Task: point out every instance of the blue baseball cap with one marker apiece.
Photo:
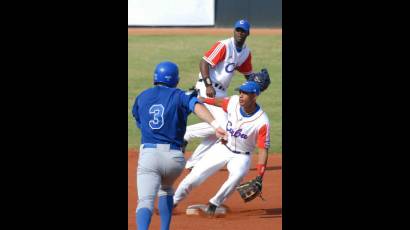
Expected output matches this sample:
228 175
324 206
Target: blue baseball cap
243 24
249 87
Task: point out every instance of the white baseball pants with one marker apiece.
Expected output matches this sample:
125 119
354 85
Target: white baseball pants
214 159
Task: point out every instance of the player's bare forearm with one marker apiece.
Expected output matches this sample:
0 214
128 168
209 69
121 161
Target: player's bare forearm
262 156
204 68
262 160
203 113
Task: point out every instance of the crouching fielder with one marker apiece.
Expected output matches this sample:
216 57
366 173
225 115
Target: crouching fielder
247 128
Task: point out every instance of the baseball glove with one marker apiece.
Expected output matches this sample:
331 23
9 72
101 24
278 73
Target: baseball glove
192 91
262 78
251 189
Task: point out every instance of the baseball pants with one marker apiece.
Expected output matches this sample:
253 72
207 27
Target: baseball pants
157 171
214 159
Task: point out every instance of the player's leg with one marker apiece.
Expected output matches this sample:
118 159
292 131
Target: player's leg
205 145
238 167
171 167
148 183
199 130
208 140
208 165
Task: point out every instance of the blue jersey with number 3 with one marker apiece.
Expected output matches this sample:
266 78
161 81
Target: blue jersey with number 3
161 113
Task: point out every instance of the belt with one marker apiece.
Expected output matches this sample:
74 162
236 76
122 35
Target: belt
154 146
217 85
237 152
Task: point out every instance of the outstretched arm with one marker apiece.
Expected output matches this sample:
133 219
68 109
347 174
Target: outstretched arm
213 101
203 113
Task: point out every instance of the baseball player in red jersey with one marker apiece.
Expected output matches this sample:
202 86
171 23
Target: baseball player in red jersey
217 67
247 127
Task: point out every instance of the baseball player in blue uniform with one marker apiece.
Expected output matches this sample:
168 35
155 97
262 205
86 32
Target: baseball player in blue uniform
161 113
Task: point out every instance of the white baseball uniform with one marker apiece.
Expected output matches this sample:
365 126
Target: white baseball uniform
224 60
245 132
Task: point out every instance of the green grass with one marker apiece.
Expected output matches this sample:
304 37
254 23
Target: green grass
145 52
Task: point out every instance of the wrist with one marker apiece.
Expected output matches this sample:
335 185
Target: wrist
261 169
207 81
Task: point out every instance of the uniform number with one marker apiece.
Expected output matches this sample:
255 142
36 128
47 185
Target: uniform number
157 114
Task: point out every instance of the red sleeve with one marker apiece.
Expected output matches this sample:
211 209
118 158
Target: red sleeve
216 54
263 137
246 67
225 103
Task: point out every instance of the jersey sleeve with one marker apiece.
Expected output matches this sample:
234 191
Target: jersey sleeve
216 54
135 113
225 103
246 67
188 101
264 137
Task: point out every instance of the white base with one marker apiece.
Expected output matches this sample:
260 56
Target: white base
194 210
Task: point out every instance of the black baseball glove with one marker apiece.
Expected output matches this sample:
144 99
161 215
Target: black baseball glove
251 189
262 78
192 91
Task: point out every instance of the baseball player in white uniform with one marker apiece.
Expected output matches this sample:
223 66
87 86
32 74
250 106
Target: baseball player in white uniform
247 127
217 67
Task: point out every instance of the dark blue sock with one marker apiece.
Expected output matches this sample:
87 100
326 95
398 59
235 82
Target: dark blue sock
165 205
143 218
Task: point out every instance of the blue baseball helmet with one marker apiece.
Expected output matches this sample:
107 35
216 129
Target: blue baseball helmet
167 73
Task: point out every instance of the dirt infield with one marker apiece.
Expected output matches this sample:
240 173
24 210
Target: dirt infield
197 31
257 214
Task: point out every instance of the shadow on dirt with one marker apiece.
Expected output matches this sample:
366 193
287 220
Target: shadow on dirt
264 213
272 213
267 168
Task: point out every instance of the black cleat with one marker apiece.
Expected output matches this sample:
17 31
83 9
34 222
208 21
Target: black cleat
209 211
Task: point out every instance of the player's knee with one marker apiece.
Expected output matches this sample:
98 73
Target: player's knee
166 192
197 181
146 202
236 177
187 186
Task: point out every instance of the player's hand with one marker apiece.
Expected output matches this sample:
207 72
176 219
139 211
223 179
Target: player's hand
201 99
210 91
224 140
221 133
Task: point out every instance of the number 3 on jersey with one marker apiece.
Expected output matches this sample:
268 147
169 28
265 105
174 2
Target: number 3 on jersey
157 114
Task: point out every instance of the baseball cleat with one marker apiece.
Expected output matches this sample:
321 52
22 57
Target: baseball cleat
208 211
